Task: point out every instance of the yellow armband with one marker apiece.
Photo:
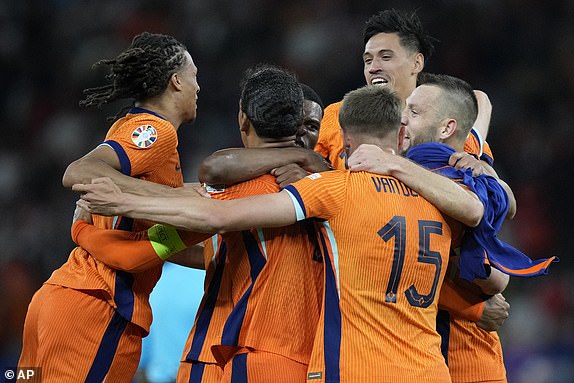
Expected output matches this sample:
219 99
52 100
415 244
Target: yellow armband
165 240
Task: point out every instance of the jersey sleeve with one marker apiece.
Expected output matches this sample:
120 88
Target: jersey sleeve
477 146
319 195
133 251
460 303
143 144
330 143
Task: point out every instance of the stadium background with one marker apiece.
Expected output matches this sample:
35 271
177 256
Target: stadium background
521 52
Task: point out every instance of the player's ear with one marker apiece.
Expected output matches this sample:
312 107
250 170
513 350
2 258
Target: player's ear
175 81
418 63
448 128
244 123
347 141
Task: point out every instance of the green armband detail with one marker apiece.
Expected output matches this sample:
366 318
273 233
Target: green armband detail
165 241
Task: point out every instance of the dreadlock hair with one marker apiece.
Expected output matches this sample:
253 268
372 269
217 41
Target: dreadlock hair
408 26
272 99
371 110
140 72
457 100
311 95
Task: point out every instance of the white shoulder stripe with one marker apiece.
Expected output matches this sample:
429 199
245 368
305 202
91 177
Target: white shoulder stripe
297 205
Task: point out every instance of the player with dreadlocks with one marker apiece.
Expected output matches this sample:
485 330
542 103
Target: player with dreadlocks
87 321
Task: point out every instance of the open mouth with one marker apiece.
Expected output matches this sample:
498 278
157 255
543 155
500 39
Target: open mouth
379 81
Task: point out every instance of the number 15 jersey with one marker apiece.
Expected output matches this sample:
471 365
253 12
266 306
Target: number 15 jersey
386 251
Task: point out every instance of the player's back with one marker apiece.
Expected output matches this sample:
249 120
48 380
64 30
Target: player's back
388 255
271 283
278 310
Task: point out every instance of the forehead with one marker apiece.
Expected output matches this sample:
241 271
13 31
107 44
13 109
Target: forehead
423 94
384 41
188 61
312 110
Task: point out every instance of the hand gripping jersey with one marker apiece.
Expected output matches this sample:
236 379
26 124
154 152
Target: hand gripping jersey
472 354
386 251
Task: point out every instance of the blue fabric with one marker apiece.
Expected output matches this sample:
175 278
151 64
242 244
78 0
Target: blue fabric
480 246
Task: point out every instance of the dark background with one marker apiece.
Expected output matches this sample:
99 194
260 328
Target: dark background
521 52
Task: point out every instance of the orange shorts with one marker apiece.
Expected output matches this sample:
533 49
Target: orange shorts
199 373
76 336
263 367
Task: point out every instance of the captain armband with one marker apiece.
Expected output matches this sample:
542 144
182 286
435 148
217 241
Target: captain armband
165 240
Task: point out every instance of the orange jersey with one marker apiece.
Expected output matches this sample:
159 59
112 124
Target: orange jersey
386 250
473 354
215 307
330 142
274 286
147 148
476 145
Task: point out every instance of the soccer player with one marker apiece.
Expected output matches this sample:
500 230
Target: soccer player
87 321
263 296
230 166
396 50
367 246
434 114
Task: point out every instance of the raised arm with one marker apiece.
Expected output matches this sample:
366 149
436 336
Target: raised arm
190 213
482 122
230 166
449 197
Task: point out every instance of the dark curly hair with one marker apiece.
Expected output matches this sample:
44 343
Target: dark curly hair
272 99
408 26
140 72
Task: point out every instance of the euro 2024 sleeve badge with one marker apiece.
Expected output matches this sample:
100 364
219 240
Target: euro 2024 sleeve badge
144 136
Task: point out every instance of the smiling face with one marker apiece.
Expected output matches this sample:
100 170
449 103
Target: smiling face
388 63
421 121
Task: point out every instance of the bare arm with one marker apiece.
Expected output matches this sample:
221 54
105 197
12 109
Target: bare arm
451 199
230 166
104 162
463 160
482 122
190 213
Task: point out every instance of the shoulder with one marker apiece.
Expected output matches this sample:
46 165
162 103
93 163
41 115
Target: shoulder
264 184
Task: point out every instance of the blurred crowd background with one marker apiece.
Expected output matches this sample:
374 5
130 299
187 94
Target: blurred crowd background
521 52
